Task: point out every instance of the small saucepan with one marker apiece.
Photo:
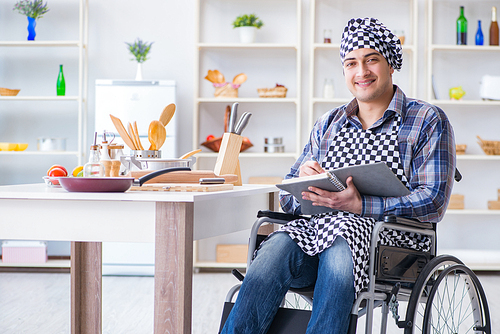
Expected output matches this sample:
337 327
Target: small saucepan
111 184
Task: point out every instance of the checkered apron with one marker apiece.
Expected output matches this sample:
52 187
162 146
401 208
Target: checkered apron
355 147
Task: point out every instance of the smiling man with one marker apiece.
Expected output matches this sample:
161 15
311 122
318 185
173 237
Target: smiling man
330 251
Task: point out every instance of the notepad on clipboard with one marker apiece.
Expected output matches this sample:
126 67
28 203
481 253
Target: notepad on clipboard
375 179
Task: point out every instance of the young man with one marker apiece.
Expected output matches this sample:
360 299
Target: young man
330 251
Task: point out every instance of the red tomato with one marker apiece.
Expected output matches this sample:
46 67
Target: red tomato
56 171
60 167
210 137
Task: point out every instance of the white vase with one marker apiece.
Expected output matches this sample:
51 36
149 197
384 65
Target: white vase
138 75
247 34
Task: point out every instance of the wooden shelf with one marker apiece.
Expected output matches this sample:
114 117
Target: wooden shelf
39 153
251 155
245 99
478 157
473 212
246 46
465 102
40 98
450 47
48 264
209 264
71 43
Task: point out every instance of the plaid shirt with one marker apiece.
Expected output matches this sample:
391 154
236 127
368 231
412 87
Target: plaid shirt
427 153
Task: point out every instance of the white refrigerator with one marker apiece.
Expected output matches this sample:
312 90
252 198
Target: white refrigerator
142 102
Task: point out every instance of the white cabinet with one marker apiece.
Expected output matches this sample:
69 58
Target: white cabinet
33 66
274 58
330 17
469 234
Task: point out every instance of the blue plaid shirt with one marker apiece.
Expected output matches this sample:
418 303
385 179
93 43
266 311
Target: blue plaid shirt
427 153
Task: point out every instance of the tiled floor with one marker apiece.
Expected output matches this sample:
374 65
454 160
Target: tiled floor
39 303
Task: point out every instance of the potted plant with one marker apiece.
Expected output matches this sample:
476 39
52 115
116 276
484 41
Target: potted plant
32 10
139 50
247 26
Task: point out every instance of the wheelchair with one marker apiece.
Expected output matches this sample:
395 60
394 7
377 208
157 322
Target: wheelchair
441 294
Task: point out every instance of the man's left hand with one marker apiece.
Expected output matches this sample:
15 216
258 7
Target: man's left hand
346 200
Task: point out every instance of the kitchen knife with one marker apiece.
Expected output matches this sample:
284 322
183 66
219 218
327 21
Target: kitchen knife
232 118
243 123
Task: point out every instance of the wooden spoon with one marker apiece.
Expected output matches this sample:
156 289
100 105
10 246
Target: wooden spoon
219 76
239 79
212 76
137 138
167 114
156 135
193 152
122 132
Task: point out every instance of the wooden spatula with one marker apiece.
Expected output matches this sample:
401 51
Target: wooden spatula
137 138
156 135
131 134
123 133
167 114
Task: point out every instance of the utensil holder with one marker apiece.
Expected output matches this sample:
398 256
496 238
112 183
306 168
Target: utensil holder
227 160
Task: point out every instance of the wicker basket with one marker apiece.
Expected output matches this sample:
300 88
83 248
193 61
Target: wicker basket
460 148
9 92
272 92
490 147
226 91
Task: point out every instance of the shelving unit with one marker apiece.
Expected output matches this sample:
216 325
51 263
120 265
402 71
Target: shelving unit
219 49
467 233
34 96
277 52
81 98
318 49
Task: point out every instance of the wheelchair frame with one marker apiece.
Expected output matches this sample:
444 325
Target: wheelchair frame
382 294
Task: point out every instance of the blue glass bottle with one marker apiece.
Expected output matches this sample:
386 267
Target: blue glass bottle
479 34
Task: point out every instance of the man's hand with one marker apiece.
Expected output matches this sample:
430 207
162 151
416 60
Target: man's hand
310 168
346 200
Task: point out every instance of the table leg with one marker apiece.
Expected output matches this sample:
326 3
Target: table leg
173 268
86 287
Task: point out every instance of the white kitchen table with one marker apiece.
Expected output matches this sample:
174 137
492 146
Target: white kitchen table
170 219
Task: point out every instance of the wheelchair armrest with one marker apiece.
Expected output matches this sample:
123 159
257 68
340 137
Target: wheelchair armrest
408 222
279 215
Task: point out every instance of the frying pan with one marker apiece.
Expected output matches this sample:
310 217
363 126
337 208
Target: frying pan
111 184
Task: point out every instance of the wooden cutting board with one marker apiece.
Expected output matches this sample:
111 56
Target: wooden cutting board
183 187
193 176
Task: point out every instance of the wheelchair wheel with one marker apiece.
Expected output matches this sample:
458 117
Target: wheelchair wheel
417 303
457 303
436 288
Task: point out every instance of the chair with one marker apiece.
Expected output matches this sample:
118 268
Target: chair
441 293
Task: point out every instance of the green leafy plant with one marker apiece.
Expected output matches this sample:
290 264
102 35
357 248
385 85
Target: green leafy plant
139 50
248 21
34 9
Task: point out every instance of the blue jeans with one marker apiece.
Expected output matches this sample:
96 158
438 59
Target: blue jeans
281 264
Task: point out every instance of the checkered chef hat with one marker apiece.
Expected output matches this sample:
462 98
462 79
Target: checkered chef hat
371 33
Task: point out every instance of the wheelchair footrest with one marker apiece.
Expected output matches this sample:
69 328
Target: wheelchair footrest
395 264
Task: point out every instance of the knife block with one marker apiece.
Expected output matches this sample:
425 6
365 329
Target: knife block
227 160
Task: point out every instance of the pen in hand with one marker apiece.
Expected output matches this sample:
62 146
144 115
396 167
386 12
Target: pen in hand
321 170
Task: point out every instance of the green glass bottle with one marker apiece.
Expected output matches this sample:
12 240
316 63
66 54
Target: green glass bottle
61 84
461 28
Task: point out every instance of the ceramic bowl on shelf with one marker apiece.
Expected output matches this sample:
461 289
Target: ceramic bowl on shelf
8 146
9 92
13 146
21 146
